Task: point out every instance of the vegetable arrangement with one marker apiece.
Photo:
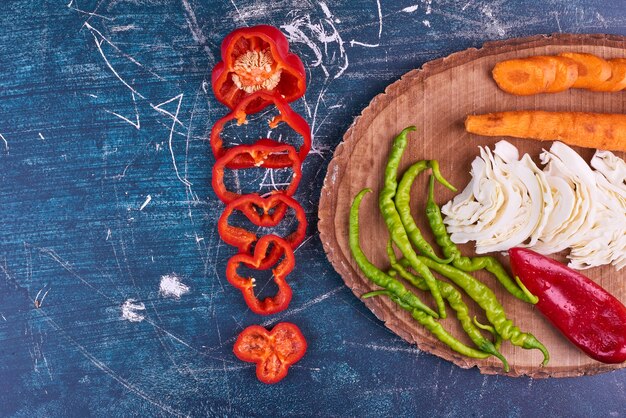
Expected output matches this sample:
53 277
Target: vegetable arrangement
257 70
553 74
604 131
511 202
422 267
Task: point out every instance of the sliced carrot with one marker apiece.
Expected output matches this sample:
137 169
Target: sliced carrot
592 70
566 74
604 131
617 81
524 77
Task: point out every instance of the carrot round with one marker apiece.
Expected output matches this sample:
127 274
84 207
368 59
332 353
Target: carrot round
604 131
524 77
592 70
617 81
566 74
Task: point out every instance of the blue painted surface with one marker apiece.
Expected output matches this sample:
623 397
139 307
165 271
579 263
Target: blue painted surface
85 140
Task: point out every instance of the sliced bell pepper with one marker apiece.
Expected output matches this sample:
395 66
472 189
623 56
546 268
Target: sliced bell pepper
255 155
273 351
263 251
272 209
589 316
257 58
286 114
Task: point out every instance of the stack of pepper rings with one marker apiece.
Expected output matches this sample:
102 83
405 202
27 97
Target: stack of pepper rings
257 70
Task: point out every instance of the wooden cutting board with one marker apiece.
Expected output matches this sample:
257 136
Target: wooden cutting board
436 99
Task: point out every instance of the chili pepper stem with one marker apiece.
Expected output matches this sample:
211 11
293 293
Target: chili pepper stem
531 298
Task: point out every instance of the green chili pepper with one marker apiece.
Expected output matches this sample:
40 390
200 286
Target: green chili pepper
402 201
391 285
374 274
487 300
432 325
394 223
450 250
455 300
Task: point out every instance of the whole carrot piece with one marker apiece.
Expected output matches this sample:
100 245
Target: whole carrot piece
604 131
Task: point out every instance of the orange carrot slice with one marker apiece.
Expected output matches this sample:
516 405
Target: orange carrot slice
592 70
617 81
566 74
524 77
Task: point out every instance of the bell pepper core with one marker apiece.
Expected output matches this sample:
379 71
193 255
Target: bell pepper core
249 205
286 114
273 351
258 261
257 155
589 316
253 59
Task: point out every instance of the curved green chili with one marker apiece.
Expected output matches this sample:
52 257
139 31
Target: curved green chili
394 223
487 300
391 285
455 300
402 201
450 250
432 325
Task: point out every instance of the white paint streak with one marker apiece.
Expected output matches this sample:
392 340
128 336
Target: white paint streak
108 64
410 9
558 23
131 310
305 306
90 14
171 286
385 348
145 203
122 28
365 44
137 123
496 25
6 143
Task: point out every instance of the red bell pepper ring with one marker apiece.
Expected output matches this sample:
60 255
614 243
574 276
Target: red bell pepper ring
273 210
257 58
259 261
273 352
256 155
286 114
589 316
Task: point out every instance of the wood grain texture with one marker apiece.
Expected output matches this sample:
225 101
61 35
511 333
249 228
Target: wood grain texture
436 99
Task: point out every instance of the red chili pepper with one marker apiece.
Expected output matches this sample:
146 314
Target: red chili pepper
273 352
260 260
257 58
589 316
255 155
272 209
286 114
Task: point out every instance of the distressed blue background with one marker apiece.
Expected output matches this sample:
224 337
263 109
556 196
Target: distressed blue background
106 102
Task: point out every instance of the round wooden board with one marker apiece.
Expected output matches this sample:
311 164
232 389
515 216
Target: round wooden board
436 99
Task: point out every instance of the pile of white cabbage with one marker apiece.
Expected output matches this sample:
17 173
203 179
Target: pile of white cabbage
511 202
